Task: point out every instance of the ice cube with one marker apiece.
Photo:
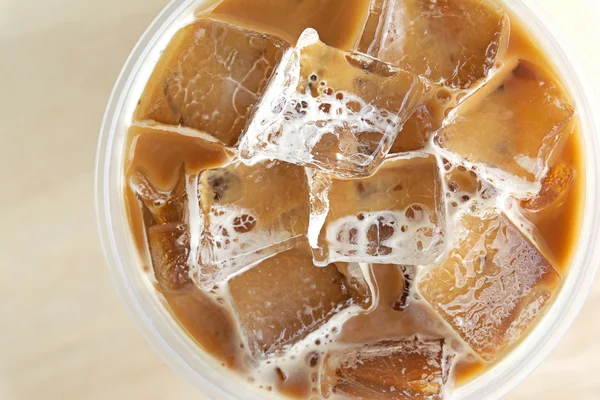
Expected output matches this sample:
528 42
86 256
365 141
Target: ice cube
338 22
165 207
492 286
503 133
333 110
555 186
282 299
169 251
395 216
454 42
210 77
399 369
249 213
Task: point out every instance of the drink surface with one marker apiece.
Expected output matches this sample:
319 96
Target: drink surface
355 199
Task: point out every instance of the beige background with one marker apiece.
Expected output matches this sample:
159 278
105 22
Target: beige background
63 332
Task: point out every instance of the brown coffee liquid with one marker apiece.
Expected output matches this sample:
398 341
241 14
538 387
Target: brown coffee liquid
162 159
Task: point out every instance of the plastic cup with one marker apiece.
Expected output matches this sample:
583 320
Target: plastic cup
198 368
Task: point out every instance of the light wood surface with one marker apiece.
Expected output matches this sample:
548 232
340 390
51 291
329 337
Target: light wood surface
63 331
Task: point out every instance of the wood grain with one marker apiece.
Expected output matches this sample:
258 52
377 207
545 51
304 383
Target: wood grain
63 332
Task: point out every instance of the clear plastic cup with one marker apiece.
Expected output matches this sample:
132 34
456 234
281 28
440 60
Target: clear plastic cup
198 368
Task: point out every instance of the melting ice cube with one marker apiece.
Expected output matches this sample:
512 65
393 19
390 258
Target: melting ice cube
282 299
210 77
399 369
395 216
336 111
249 213
503 133
455 42
492 286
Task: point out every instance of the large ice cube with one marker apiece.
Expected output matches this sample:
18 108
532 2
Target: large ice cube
407 368
455 42
512 133
169 251
394 216
249 213
209 78
282 299
338 22
492 286
336 111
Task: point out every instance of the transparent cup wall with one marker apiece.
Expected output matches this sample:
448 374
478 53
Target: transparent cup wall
184 356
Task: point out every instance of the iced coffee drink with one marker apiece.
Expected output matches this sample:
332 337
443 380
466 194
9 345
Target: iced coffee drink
354 199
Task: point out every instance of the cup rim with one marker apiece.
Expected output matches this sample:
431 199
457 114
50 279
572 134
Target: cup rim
199 369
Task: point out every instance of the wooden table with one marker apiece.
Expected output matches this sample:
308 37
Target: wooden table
63 333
